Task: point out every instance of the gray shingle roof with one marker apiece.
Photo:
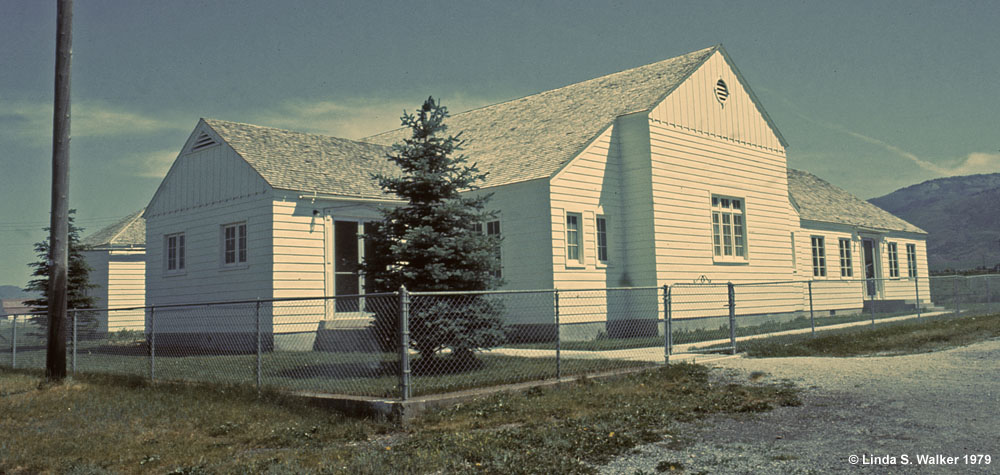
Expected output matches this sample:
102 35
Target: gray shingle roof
130 231
534 136
818 200
307 162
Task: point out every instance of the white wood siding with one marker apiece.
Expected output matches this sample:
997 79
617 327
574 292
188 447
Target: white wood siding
206 177
524 213
693 106
126 289
204 278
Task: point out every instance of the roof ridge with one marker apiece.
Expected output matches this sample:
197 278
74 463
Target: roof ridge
707 51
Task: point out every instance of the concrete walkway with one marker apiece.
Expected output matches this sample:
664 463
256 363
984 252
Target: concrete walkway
684 352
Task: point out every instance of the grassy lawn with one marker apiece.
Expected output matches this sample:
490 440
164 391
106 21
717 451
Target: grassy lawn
98 424
357 373
909 336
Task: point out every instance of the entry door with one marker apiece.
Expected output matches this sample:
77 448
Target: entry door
346 265
871 268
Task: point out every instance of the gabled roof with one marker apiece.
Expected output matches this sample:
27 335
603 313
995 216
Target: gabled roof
818 200
307 162
129 232
535 136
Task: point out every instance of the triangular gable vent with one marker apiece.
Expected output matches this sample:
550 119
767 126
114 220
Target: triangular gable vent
202 142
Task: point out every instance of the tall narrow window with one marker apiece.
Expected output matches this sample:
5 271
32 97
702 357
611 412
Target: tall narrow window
573 249
846 263
493 229
911 259
728 229
819 256
893 260
174 244
795 265
602 239
234 244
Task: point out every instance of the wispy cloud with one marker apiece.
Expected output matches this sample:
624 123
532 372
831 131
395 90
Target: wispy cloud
355 118
33 120
153 164
975 162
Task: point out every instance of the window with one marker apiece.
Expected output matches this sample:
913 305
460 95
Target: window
795 266
728 229
602 239
174 244
846 264
893 260
574 251
234 244
911 259
819 256
493 229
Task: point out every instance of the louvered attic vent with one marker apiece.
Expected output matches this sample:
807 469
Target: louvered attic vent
721 92
202 142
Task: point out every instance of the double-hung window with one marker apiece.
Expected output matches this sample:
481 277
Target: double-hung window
911 259
893 260
729 238
602 239
574 243
846 263
819 256
174 253
234 244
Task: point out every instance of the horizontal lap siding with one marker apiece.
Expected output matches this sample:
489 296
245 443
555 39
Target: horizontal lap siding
525 253
205 279
299 239
688 168
126 289
831 292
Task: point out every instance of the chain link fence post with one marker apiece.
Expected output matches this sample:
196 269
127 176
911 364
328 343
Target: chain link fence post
916 291
404 341
812 316
555 300
989 295
872 303
667 340
152 343
13 343
732 316
73 359
259 356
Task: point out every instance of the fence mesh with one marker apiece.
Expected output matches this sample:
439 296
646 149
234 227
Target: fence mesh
359 345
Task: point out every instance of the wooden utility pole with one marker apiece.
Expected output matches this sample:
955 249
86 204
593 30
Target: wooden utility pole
55 360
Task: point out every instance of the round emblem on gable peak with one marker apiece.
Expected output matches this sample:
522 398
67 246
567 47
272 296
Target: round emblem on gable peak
721 92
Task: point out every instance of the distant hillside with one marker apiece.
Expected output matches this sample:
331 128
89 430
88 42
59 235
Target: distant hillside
961 215
14 292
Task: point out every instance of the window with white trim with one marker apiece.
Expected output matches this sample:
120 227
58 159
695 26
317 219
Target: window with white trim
819 256
173 247
846 263
911 259
728 229
234 244
574 243
893 260
602 239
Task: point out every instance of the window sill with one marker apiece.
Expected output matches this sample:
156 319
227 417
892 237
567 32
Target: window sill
731 262
230 267
175 273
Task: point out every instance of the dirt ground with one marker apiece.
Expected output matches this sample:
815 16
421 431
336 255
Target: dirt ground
878 409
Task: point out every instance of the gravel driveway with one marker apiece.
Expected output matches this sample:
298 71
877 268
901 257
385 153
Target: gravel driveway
945 403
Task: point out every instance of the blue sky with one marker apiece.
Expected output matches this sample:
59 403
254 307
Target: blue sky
871 96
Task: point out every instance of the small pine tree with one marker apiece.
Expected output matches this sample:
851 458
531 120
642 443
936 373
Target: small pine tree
77 281
434 243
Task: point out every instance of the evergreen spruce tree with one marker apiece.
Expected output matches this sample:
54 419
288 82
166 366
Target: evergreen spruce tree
78 277
435 243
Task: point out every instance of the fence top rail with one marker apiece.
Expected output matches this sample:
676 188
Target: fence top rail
526 291
231 302
977 276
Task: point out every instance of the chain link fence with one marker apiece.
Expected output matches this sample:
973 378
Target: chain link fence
398 345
